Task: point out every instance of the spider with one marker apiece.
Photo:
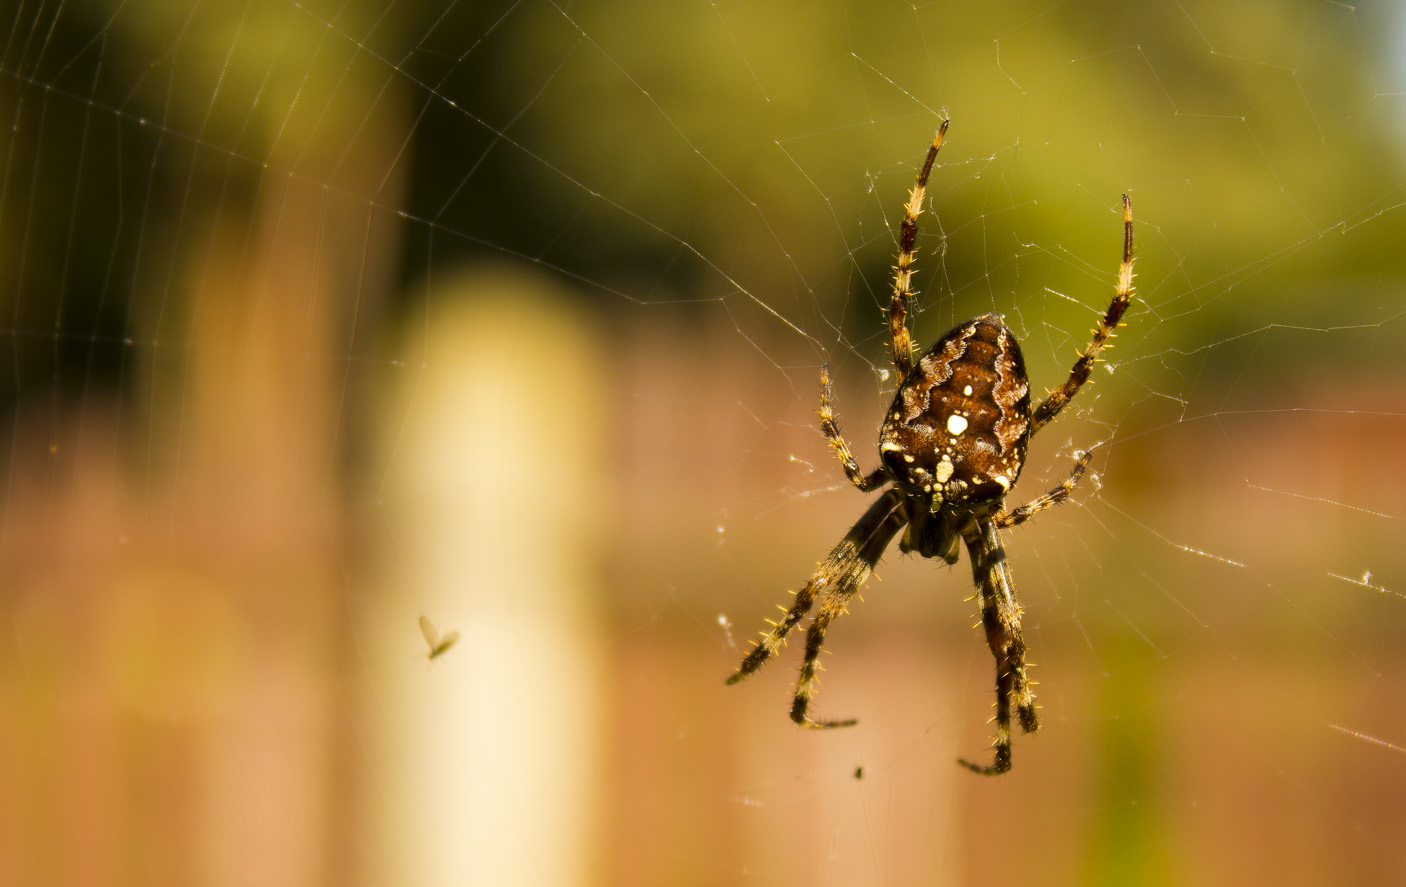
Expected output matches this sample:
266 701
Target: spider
952 446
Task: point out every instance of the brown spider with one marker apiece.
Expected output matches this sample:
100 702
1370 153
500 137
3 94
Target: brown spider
953 444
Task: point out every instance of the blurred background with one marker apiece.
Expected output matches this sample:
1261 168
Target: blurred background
320 317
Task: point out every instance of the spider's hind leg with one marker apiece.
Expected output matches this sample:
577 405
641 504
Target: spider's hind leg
1000 615
845 570
840 575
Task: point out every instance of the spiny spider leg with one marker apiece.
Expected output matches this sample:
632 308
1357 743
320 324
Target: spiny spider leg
867 483
1053 497
840 575
1000 615
1107 325
849 580
903 270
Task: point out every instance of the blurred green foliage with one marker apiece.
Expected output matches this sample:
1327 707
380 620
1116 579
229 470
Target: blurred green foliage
753 155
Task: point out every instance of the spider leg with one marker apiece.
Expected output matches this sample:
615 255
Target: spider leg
1053 497
1102 333
849 575
840 575
865 482
1000 615
903 269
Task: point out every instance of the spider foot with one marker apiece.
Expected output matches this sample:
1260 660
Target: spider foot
805 721
748 666
742 672
1001 764
759 655
800 713
1029 721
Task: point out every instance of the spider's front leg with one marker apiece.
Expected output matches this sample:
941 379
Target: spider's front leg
901 341
840 575
1107 325
1000 615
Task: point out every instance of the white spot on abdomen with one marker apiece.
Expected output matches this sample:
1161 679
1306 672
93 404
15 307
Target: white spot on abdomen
956 425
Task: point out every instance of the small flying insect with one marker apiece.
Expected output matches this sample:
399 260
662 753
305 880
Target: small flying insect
438 645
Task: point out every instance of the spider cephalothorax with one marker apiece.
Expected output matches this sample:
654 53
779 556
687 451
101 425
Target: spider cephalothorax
952 446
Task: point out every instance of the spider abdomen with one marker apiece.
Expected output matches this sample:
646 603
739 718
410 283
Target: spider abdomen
959 424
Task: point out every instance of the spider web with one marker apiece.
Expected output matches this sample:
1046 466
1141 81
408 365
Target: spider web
328 316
